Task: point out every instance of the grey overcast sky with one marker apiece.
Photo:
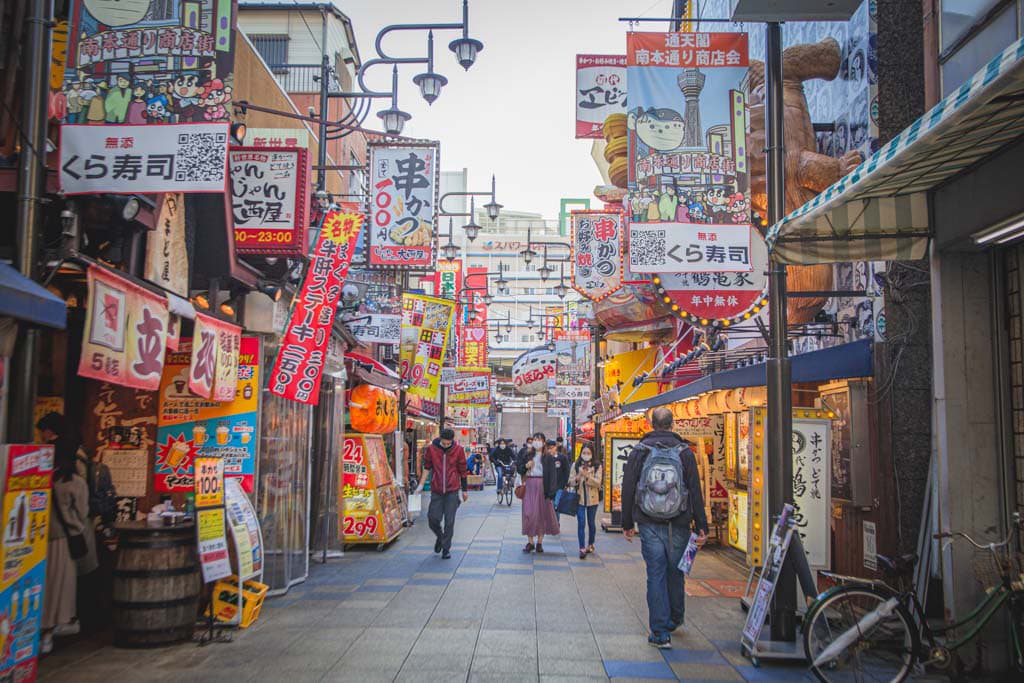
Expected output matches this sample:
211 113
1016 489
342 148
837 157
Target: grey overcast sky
513 112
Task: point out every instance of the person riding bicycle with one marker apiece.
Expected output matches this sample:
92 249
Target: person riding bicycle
501 457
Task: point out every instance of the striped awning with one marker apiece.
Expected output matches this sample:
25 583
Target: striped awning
879 212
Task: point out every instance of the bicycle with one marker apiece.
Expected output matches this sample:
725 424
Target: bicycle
869 631
507 485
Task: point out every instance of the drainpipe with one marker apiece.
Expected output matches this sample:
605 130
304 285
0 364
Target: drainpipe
31 187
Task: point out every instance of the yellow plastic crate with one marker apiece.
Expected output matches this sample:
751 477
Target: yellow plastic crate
225 600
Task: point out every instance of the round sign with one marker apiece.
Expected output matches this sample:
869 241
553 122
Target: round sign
719 298
530 372
118 12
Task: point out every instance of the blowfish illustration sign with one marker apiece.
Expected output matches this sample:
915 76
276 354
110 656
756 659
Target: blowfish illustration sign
689 173
403 193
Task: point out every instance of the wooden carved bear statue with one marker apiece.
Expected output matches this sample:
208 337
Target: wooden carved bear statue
807 172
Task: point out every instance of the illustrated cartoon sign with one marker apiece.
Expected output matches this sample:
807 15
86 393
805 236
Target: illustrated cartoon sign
269 200
403 195
189 426
596 253
149 61
27 472
600 92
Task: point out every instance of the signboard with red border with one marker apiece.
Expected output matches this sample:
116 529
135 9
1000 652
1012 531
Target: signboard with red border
269 199
596 253
403 198
600 92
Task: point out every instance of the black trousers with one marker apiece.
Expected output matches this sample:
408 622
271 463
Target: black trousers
443 505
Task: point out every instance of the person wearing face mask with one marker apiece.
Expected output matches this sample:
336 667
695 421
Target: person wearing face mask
540 476
586 477
447 462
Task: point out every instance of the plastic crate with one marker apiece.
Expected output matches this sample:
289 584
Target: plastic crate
225 600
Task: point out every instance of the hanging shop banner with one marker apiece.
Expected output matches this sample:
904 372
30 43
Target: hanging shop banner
189 426
180 157
688 157
299 366
141 61
166 257
426 322
473 352
689 248
125 332
213 545
731 297
812 443
403 196
269 200
214 362
470 387
617 447
245 529
476 287
600 92
596 253
448 285
375 328
27 476
532 370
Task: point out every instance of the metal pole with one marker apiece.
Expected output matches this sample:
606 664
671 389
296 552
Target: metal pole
325 73
440 417
31 186
572 431
678 7
780 409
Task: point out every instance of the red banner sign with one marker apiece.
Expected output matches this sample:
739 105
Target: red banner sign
299 366
687 50
125 332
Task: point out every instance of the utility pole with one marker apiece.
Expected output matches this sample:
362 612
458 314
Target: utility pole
779 372
31 187
325 85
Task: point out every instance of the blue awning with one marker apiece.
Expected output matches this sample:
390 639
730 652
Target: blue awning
29 301
839 362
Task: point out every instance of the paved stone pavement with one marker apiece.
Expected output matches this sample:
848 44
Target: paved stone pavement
489 613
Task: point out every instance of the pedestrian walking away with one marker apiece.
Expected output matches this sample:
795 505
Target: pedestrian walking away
446 461
661 494
540 476
586 476
502 458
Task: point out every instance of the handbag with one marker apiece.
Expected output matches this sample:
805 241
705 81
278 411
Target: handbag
76 542
520 491
568 503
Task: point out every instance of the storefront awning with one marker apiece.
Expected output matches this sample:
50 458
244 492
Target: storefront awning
26 300
839 362
370 371
880 210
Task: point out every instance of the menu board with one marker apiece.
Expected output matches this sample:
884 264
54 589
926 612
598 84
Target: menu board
129 469
738 519
371 512
743 448
245 530
213 545
27 473
617 447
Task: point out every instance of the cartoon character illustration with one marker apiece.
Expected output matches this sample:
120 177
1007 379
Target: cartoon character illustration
739 208
696 210
97 111
667 203
137 107
157 109
661 130
187 94
717 203
117 100
215 95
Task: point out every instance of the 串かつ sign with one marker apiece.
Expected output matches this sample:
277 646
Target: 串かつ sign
403 194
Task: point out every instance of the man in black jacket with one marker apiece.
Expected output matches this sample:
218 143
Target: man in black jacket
663 542
502 458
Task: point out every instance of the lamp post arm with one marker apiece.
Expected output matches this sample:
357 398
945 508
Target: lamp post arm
440 202
409 27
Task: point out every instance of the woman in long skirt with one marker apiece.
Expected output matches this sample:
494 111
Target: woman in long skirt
537 467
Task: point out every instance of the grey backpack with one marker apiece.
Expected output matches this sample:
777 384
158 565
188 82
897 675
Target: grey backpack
661 492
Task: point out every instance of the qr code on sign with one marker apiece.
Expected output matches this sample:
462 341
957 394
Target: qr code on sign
201 157
646 249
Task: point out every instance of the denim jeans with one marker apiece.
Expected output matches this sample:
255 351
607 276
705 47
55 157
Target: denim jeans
662 547
499 474
586 516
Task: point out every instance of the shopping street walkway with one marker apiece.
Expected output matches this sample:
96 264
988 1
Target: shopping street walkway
489 613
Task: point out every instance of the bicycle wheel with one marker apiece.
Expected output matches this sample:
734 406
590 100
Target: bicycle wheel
881 648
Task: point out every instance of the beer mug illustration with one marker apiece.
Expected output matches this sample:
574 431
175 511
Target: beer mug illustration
178 452
199 434
223 434
246 436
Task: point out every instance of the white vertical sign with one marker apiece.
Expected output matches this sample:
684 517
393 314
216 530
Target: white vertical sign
812 442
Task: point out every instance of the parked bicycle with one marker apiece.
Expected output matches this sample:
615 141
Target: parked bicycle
872 632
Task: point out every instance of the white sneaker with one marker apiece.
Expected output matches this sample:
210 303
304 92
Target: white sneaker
46 644
71 629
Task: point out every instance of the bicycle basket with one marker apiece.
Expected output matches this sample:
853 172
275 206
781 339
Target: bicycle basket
991 567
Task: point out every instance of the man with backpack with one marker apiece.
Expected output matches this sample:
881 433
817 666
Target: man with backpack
661 494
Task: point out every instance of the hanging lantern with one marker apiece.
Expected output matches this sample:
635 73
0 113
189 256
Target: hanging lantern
373 410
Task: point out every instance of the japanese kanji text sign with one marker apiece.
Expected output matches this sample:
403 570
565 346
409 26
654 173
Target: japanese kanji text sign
596 253
719 295
185 157
689 248
470 387
166 255
214 364
426 322
125 332
299 366
473 352
812 457
403 195
269 200
375 328
600 92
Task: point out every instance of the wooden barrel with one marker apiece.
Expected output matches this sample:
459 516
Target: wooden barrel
156 585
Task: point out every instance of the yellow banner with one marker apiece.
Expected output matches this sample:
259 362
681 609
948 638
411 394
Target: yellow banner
426 324
621 368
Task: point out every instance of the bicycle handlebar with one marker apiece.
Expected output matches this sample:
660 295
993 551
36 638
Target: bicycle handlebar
982 546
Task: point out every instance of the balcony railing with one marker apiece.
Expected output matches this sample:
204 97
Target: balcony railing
301 78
